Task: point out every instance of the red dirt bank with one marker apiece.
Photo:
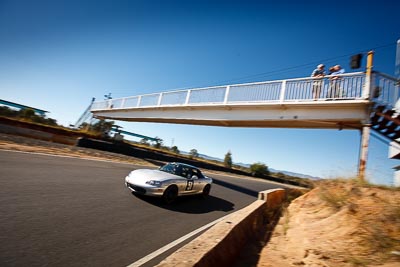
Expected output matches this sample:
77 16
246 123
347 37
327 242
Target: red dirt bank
339 223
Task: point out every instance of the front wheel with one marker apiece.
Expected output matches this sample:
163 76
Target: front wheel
170 194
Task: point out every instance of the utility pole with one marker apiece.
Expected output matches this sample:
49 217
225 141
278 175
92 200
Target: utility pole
366 129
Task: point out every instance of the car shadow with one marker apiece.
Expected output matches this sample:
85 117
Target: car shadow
191 204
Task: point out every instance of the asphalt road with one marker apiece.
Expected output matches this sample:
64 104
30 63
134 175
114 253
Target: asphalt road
58 211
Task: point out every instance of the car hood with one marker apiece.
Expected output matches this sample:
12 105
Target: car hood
143 175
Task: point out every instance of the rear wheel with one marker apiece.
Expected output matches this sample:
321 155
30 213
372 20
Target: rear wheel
170 194
206 190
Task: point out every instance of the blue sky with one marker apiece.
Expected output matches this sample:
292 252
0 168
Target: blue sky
57 55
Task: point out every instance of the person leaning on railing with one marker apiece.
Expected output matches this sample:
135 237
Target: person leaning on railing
334 88
319 72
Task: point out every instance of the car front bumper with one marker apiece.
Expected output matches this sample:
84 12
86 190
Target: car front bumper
145 190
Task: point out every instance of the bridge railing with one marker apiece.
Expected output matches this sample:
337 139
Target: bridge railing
344 87
386 89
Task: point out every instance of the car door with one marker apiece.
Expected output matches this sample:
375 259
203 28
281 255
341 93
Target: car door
189 183
198 181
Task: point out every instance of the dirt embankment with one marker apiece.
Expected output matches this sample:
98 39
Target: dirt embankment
20 143
339 223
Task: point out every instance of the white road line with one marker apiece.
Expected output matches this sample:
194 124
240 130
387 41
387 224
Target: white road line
173 244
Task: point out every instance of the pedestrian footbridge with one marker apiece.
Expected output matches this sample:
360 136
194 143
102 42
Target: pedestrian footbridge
345 102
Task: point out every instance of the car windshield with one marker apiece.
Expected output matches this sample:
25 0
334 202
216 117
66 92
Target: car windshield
170 168
181 170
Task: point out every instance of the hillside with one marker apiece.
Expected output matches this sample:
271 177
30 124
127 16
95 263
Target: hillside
339 223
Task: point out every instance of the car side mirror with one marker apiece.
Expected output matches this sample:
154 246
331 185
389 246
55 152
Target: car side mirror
194 177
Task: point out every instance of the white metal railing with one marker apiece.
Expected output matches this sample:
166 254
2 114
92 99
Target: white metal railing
345 87
386 89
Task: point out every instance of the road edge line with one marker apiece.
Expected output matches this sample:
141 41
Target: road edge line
173 244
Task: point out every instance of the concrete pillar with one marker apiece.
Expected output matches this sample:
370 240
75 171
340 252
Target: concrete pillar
366 130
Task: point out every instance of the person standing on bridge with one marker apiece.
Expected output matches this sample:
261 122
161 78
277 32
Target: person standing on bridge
318 73
335 91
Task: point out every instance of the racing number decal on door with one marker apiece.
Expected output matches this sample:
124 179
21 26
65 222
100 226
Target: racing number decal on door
189 185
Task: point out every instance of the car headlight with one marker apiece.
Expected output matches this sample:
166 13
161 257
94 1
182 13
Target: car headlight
154 183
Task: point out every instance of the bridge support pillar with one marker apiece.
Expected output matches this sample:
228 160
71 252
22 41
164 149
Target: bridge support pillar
365 133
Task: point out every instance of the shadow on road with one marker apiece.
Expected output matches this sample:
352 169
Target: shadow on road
191 204
238 188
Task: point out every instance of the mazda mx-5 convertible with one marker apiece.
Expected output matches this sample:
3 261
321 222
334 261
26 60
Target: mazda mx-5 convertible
169 181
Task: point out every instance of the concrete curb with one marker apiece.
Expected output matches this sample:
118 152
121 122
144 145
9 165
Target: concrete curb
221 244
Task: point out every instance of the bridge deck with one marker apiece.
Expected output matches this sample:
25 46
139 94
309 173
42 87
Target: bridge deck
319 114
343 103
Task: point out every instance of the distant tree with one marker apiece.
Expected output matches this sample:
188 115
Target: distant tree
259 169
52 122
144 141
38 119
102 127
158 143
193 153
228 160
8 112
175 150
27 113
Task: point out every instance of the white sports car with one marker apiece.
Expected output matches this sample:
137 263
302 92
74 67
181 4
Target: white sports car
169 181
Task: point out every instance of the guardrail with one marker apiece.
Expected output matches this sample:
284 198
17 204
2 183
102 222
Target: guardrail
386 89
344 86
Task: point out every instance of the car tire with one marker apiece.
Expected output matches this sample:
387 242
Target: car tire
206 191
170 194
